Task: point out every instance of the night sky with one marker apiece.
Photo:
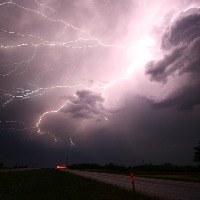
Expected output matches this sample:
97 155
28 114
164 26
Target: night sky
99 81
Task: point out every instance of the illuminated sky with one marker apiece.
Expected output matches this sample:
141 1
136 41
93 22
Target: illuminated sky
99 81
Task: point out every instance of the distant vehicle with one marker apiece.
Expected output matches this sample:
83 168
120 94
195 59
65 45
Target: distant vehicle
61 167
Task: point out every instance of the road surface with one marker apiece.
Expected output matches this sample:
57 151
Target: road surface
163 189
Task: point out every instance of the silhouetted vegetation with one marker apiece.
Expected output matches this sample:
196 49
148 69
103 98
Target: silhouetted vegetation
20 166
166 171
166 168
197 154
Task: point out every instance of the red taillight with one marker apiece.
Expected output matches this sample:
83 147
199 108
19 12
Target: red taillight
61 167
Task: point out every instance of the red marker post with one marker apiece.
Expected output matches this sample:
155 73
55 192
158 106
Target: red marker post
133 180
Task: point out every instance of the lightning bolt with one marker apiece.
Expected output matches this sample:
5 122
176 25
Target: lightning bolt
71 142
46 6
19 68
55 43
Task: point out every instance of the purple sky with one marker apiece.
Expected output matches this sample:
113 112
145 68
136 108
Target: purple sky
99 81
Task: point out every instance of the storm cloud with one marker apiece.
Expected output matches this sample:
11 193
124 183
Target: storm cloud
75 71
181 49
85 104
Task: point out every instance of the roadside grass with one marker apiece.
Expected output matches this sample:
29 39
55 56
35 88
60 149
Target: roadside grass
186 177
54 184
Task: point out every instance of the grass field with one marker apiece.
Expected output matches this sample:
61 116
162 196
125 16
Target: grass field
51 184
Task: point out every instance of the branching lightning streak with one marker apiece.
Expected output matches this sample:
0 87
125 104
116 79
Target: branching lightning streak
20 64
45 6
23 94
43 15
69 44
61 21
41 118
71 142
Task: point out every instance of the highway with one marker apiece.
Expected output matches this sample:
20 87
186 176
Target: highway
163 189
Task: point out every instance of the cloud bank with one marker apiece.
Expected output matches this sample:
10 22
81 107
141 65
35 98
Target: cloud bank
75 71
180 45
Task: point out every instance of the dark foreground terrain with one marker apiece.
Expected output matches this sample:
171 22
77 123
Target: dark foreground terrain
54 184
163 189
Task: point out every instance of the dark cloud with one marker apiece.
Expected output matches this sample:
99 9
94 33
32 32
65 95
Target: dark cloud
85 104
141 132
160 70
181 49
117 126
184 99
184 29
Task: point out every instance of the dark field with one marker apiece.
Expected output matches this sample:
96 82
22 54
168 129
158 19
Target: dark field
186 178
54 184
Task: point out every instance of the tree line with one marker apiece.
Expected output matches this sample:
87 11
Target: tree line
145 168
139 169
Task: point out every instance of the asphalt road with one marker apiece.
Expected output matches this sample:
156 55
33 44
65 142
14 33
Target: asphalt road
163 189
